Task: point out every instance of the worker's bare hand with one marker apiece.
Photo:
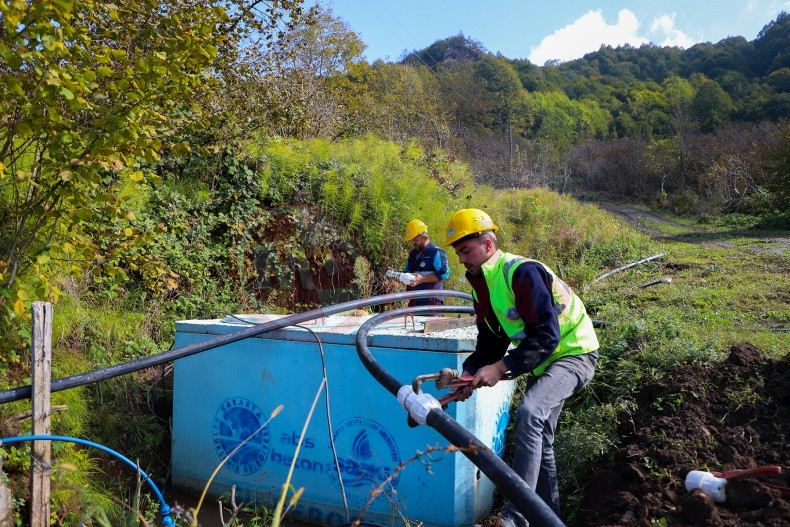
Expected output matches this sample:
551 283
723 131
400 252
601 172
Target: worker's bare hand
418 279
465 392
489 375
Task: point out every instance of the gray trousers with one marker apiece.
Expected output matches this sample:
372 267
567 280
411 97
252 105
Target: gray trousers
536 421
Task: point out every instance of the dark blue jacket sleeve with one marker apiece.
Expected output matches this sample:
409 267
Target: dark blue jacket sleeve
489 348
535 303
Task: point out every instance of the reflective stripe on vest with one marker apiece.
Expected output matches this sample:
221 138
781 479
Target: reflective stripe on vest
577 335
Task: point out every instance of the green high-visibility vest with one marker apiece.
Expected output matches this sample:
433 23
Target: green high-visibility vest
577 335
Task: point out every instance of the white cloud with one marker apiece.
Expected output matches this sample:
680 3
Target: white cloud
665 33
589 32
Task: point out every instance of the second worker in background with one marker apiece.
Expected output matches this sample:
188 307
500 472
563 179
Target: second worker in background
427 262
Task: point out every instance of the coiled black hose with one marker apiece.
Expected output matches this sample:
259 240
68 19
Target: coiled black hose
534 509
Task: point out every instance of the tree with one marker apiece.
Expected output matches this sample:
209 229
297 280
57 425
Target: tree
771 45
647 106
679 94
465 97
711 106
778 162
452 49
314 59
531 76
404 103
91 92
503 86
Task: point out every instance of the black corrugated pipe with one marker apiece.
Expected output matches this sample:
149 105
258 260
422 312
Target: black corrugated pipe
64 383
508 482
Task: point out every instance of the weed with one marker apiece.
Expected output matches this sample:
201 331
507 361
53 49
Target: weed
673 402
744 394
77 495
250 514
737 220
775 220
424 458
585 436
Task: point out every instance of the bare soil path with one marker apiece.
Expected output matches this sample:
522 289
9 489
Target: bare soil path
655 225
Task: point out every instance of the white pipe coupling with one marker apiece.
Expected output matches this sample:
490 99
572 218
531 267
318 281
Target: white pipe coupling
417 404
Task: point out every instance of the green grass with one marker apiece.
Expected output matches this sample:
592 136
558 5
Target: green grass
719 296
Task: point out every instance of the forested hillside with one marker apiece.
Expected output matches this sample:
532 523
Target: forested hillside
163 160
660 124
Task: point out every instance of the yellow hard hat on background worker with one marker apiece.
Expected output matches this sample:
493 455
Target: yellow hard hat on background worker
414 228
468 221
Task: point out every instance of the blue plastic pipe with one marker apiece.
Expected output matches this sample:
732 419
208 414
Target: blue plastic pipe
164 508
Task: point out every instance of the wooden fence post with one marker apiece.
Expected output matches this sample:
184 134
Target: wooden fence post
41 453
6 506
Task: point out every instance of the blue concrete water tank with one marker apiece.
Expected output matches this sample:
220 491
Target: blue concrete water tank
224 395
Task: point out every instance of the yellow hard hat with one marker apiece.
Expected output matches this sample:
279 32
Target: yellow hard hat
414 228
468 221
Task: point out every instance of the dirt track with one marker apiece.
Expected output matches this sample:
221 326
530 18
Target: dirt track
641 220
636 217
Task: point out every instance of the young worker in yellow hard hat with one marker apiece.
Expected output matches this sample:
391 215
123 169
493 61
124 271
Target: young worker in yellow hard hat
521 301
427 263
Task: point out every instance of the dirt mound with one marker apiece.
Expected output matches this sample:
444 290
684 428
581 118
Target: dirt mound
712 417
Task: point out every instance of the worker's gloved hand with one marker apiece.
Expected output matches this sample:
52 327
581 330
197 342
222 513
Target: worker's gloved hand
446 376
406 278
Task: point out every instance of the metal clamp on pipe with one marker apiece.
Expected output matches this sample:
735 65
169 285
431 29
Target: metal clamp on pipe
417 404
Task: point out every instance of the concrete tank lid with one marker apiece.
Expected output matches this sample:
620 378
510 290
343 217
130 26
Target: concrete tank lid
402 332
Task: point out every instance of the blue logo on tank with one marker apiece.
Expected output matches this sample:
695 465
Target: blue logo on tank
367 456
236 430
500 435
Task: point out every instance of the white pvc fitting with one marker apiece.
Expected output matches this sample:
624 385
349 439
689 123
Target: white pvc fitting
707 483
419 404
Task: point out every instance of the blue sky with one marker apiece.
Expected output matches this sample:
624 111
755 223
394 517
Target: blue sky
541 30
